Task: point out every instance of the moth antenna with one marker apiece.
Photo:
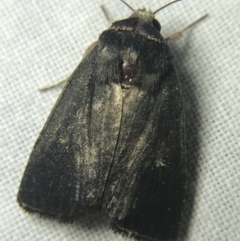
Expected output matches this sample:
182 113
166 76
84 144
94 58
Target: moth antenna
127 5
165 6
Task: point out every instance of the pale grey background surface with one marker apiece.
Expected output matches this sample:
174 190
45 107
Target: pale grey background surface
41 42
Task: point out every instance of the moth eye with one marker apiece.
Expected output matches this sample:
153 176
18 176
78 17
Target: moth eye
129 71
156 24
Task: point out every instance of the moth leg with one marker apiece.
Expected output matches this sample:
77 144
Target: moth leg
55 85
106 14
179 34
88 50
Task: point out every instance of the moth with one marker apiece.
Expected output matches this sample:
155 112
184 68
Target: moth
115 140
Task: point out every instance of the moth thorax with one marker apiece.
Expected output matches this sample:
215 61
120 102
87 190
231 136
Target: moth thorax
129 71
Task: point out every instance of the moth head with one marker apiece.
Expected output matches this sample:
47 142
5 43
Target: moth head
148 16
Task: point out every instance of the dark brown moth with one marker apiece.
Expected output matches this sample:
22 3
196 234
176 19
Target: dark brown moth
115 140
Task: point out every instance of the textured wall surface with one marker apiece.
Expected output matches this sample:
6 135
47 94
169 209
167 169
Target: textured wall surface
41 42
